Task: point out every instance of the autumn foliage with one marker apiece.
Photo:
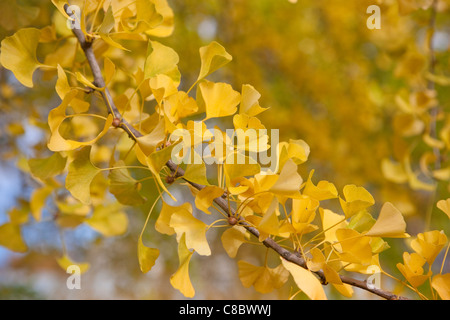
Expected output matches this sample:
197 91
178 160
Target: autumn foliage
363 124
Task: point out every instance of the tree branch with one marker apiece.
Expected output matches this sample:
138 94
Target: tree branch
220 201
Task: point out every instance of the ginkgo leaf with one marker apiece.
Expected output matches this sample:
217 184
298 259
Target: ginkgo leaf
220 99
233 238
196 173
80 175
55 119
412 269
147 256
18 54
213 57
183 222
156 161
323 191
305 280
110 220
11 237
162 60
45 168
250 101
65 262
124 187
298 151
110 70
147 17
105 28
303 213
38 199
237 169
393 171
355 247
180 280
206 196
269 223
331 222
390 223
318 262
361 221
356 199
162 224
82 78
263 278
62 88
166 27
444 205
429 244
148 142
441 283
289 181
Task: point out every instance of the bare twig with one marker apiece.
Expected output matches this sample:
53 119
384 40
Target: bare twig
220 201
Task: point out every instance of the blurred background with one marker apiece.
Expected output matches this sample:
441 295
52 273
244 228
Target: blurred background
327 79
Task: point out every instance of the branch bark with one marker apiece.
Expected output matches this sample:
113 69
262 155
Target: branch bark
220 201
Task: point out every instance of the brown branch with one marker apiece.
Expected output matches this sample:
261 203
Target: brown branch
220 201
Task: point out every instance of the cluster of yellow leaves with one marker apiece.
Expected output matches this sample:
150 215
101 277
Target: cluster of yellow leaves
281 205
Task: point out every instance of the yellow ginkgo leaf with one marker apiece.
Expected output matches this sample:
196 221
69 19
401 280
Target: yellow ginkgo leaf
110 220
183 222
55 119
303 213
263 278
18 54
331 222
233 238
45 168
213 57
156 161
444 205
441 283
318 262
250 101
355 247
180 280
356 199
110 70
162 224
166 27
323 191
269 223
105 28
429 244
412 269
162 86
38 199
305 280
220 100
147 256
80 175
206 196
124 187
162 60
62 88
196 173
150 141
390 223
65 262
147 17
289 181
239 166
393 171
11 238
